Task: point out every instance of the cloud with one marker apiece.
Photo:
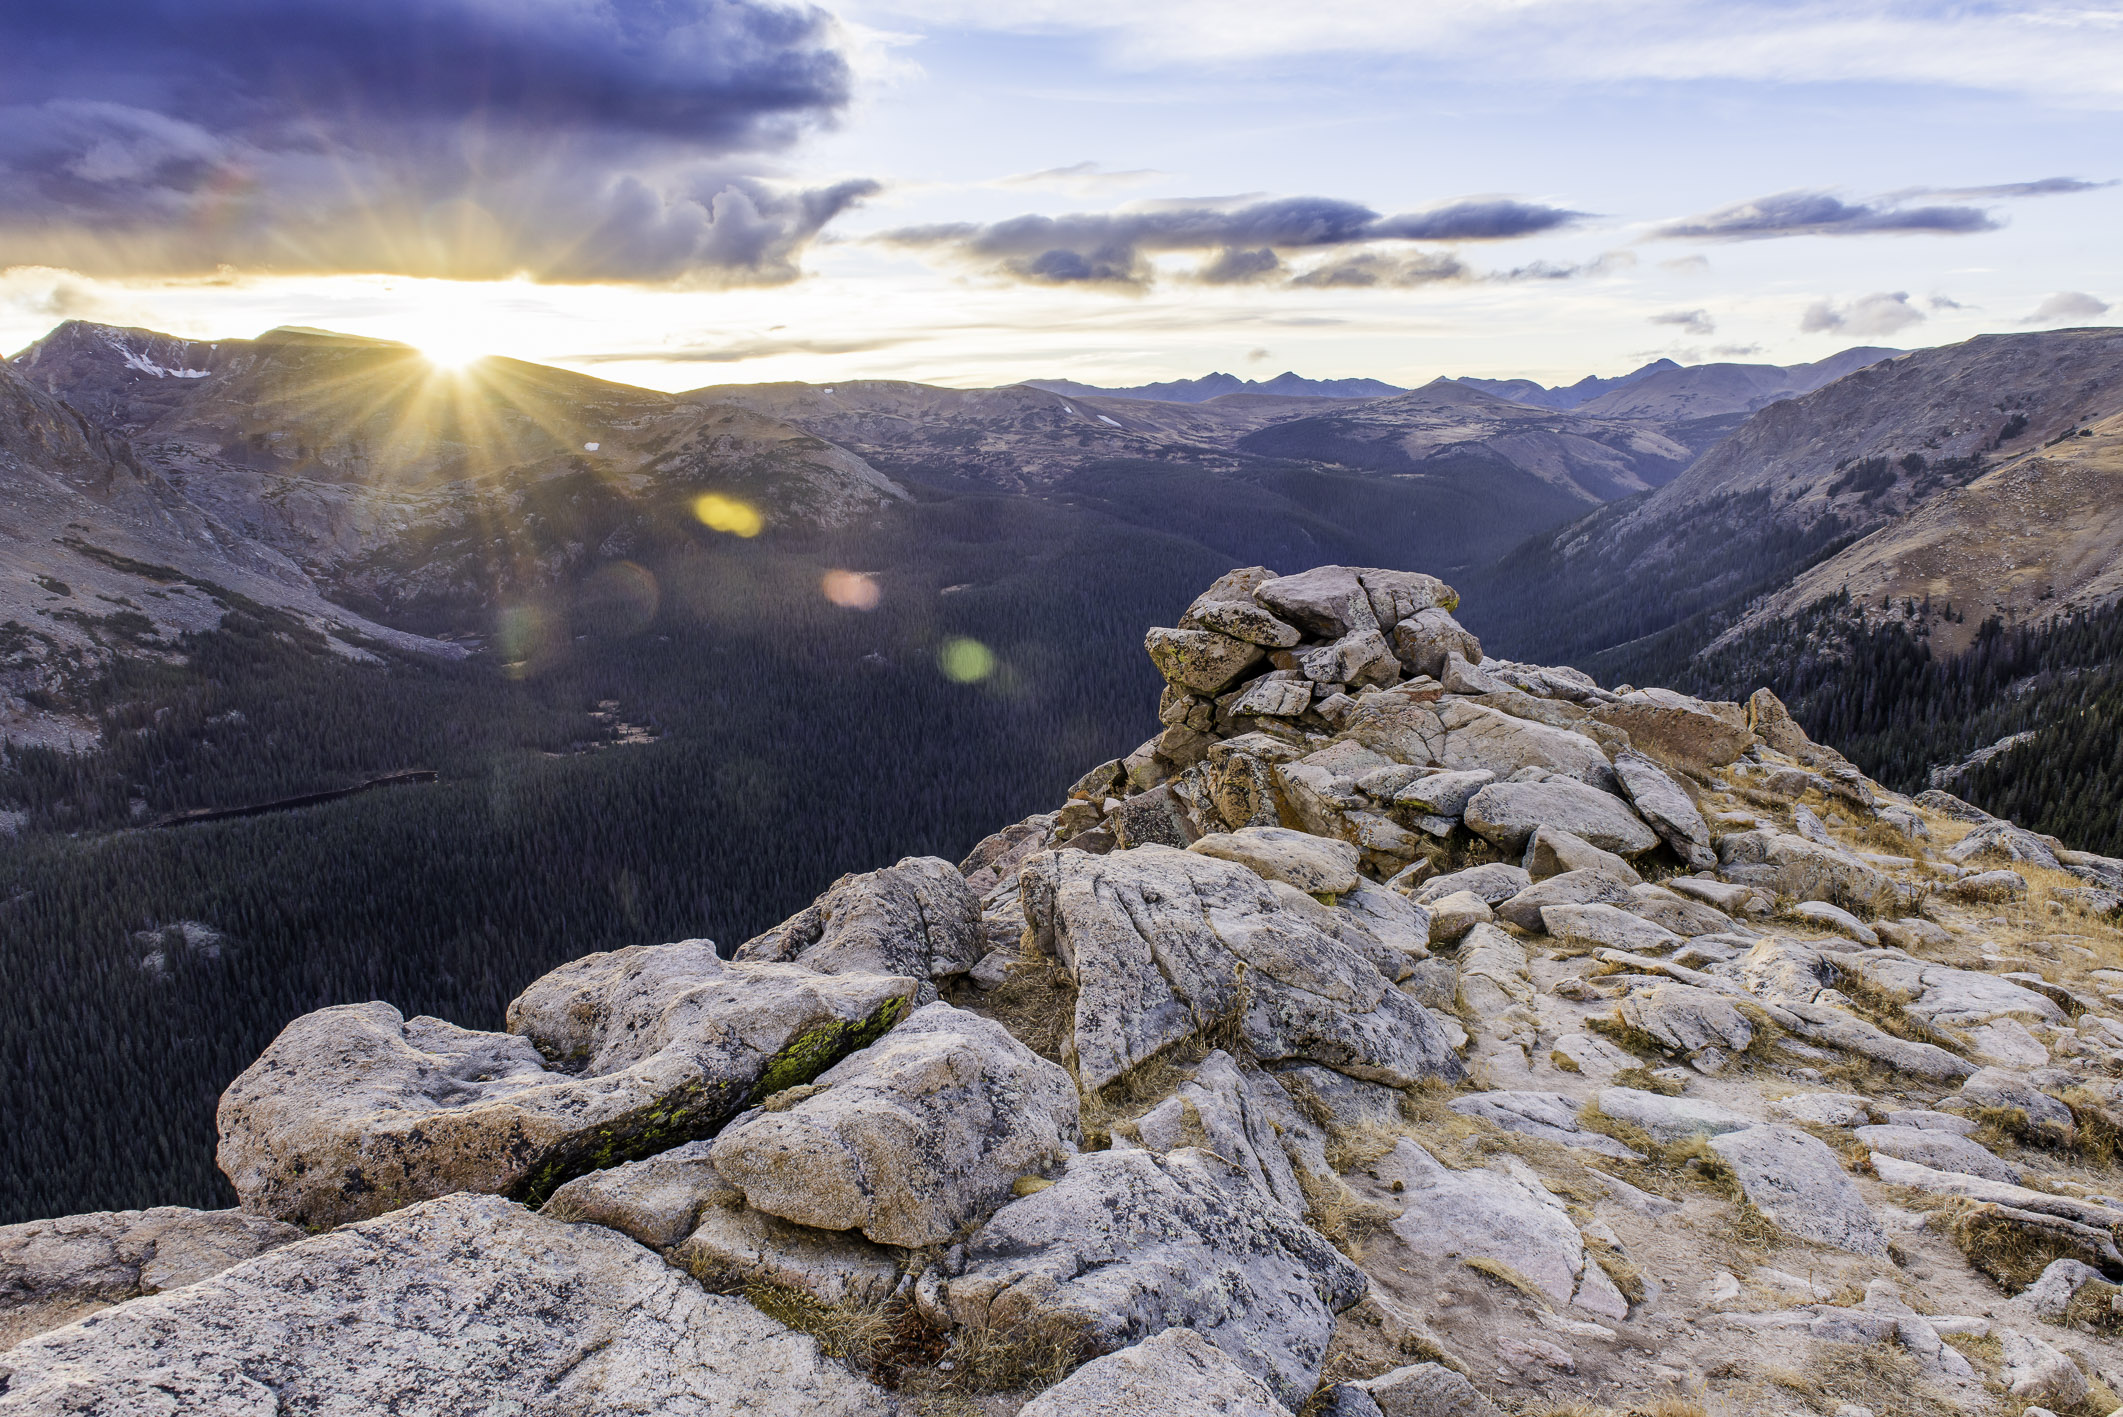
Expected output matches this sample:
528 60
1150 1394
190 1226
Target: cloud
1378 268
1946 302
1691 322
1248 239
2067 306
1082 178
1881 314
572 140
1256 354
1686 265
2042 187
1824 214
739 352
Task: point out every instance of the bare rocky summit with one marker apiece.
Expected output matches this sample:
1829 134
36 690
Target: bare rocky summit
1400 1031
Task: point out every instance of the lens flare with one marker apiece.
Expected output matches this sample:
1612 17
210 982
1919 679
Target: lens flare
727 514
852 590
965 661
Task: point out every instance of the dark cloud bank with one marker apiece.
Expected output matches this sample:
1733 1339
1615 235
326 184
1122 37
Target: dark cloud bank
607 140
1242 243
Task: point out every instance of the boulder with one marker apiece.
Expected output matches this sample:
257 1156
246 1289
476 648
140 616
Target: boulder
1359 657
1316 865
1242 620
1670 910
1177 1373
1452 916
1770 721
1824 1109
1396 595
1685 1020
1950 806
1201 660
2002 843
1660 801
1944 996
1505 1216
1158 816
1607 926
1527 909
657 1200
356 1110
911 1138
1269 697
1245 1117
1423 641
1422 1390
1164 943
1463 736
2032 1371
1793 867
1822 915
1494 883
1344 1104
1998 1088
1670 1119
1391 919
1494 973
1987 888
1326 601
468 1303
1442 794
1721 895
1686 736
1128 1243
1796 1181
1550 851
55 1271
1507 813
1940 1150
919 918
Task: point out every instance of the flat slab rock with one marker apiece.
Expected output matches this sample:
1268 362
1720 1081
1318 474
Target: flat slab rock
55 1271
1795 1180
1507 813
356 1110
1128 1243
1505 1216
910 1138
1551 1116
1177 1373
463 1304
1162 943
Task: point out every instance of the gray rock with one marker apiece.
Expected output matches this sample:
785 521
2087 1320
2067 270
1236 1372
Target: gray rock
1201 660
1551 851
1686 1020
1424 640
1157 817
1423 1390
1390 918
2035 1372
1494 883
1685 732
1463 736
1245 1117
1670 910
1507 813
1796 1181
1527 908
1670 1119
1793 867
463 1304
919 918
1507 1216
1452 916
1177 1373
1267 697
1932 1121
1822 915
1608 926
1342 1103
1316 865
2002 843
912 1137
55 1271
1721 895
1551 1116
1443 794
356 1110
2052 1293
1987 888
1661 802
1494 973
1242 620
1948 997
1942 1151
1824 1109
657 1200
1396 595
1359 657
1996 1087
1129 1243
1163 943
1326 601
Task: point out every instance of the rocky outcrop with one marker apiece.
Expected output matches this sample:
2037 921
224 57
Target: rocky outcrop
55 1271
459 1304
919 918
1176 1373
356 1110
1129 1243
910 1138
1164 943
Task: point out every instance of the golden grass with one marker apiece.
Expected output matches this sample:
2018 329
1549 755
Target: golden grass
1505 1275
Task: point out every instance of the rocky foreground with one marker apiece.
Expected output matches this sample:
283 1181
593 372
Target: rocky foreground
1400 1032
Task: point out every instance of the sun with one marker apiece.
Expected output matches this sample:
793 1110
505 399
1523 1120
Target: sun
449 354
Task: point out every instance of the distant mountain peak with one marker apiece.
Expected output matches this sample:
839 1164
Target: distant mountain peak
1288 384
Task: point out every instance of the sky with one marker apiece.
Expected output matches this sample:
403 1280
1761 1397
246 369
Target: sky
679 193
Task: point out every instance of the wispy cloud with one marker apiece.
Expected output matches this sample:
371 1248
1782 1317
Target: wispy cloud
1083 179
738 352
2067 306
1689 322
1879 314
1805 213
1244 242
2042 187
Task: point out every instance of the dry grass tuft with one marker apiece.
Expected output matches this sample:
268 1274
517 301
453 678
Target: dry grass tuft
1643 1080
2012 1254
1885 1379
852 1334
1026 1356
1036 1003
1505 1275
